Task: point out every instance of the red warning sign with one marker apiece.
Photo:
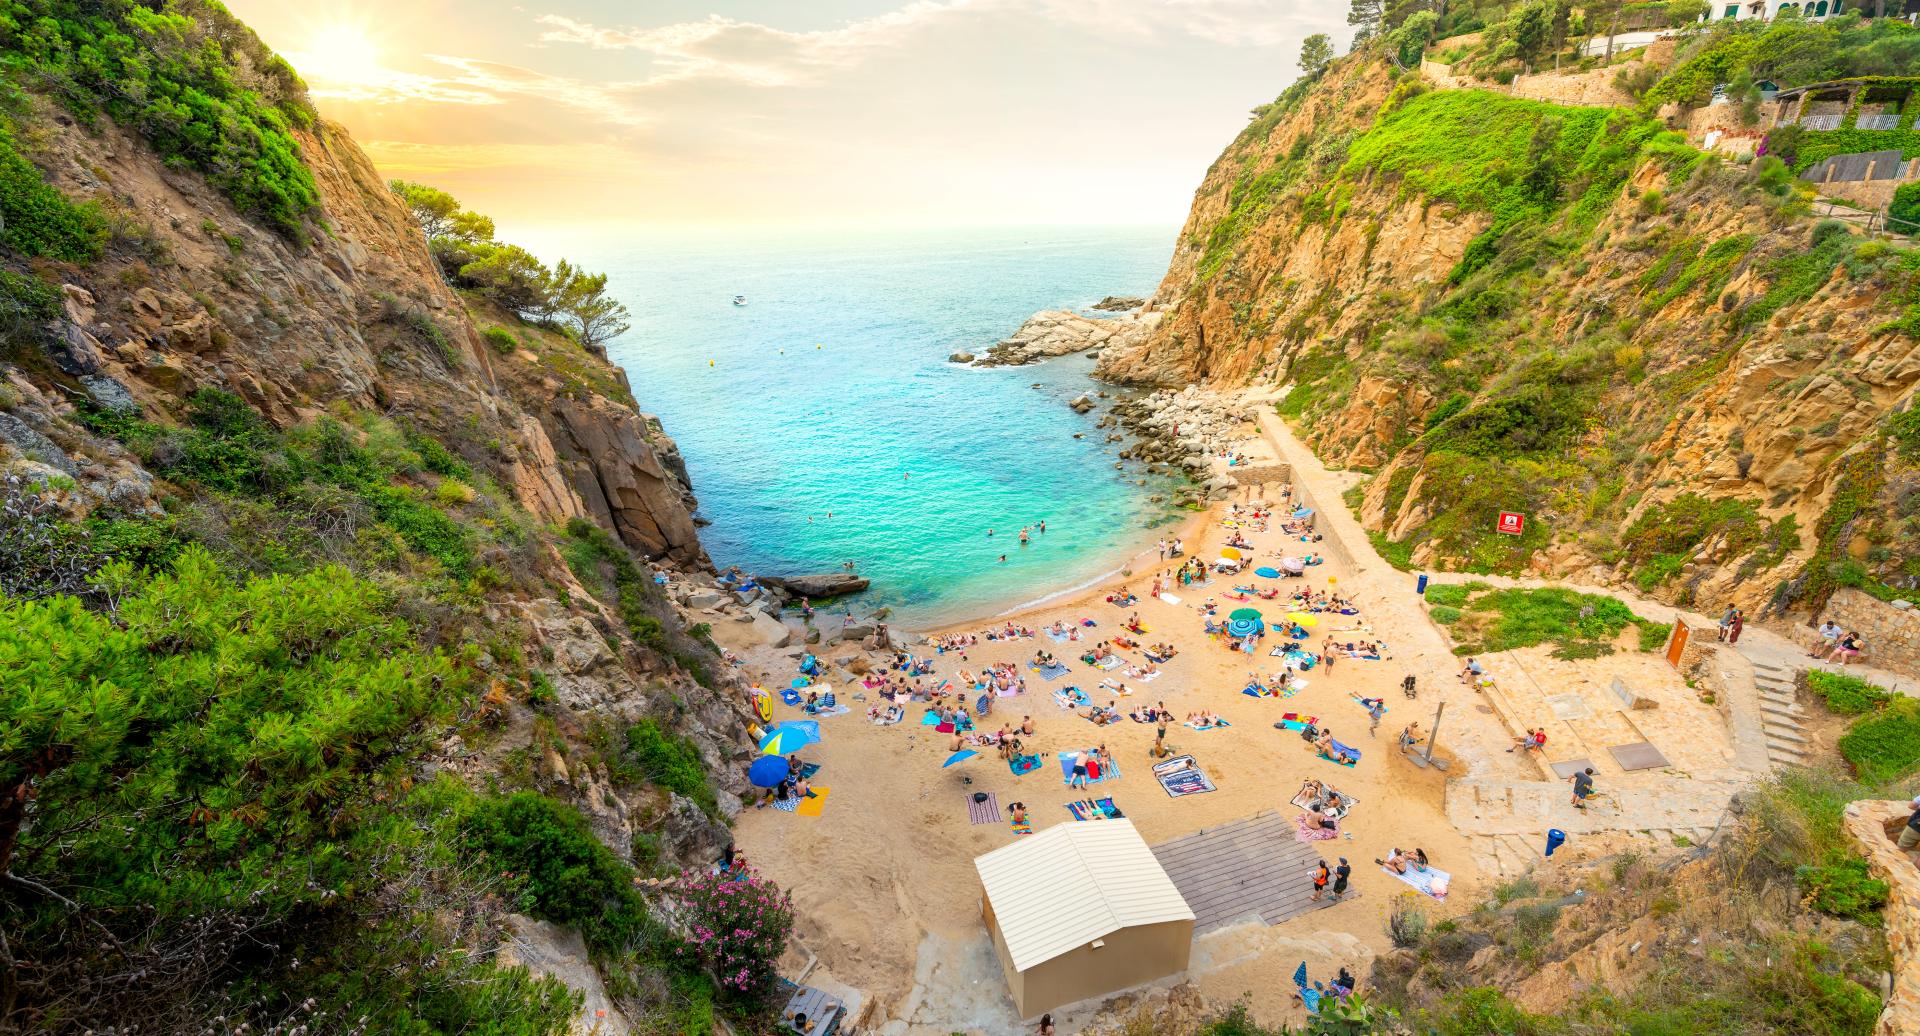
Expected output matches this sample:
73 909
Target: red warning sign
1511 523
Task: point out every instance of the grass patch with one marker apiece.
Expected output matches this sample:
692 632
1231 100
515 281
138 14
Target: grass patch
1578 625
1845 694
1885 744
1398 554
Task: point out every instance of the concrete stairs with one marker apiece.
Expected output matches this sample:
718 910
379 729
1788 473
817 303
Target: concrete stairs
1512 855
1781 715
1509 820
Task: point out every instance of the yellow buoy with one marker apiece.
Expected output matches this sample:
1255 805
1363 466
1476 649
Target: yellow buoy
709 363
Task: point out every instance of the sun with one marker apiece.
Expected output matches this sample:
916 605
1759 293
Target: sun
341 53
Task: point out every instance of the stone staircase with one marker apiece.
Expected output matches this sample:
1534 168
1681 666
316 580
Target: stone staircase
1781 716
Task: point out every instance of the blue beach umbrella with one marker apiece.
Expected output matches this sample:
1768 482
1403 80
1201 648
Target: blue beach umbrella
1243 627
790 737
767 771
959 757
1266 572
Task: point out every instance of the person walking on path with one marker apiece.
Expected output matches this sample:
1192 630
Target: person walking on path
1726 621
1375 709
1340 876
1320 877
1582 787
1734 627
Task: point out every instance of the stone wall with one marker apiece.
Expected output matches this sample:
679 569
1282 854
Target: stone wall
1872 826
1893 634
1592 89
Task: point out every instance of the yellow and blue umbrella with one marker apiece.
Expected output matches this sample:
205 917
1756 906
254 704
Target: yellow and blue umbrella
790 737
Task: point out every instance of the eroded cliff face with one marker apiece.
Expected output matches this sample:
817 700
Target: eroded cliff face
198 297
1689 331
359 326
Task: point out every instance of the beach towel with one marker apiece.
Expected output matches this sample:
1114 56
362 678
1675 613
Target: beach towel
1051 671
1295 721
1347 802
1303 833
980 813
1362 702
1254 690
1023 765
1107 807
1079 811
1059 638
807 770
786 805
1334 746
1021 827
1217 724
835 710
1169 598
1110 662
1095 772
1147 677
811 807
1423 882
1181 776
931 719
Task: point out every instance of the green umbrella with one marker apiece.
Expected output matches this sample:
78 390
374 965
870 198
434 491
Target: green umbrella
1246 614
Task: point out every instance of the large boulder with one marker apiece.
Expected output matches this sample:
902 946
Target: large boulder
545 948
772 630
829 584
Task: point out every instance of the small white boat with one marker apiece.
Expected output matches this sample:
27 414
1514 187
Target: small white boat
739 300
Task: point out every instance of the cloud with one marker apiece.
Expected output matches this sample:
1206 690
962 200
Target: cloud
724 48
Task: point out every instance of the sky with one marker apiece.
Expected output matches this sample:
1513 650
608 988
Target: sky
798 113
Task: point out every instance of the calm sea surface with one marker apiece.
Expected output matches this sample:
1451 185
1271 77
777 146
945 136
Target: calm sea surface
822 422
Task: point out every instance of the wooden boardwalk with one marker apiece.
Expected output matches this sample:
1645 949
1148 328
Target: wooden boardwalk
1245 868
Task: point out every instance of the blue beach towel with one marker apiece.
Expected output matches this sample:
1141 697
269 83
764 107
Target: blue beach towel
1340 749
931 719
1053 671
1059 638
1024 765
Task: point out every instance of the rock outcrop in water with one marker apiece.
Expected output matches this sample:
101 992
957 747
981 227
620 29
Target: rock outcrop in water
1057 332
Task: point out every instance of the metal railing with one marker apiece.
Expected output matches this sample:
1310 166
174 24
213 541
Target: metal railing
1871 221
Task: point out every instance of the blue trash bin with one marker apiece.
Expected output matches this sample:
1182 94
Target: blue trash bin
1555 839
1420 585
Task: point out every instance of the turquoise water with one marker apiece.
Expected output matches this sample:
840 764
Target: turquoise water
829 394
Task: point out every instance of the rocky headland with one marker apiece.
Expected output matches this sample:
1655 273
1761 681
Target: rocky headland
1059 332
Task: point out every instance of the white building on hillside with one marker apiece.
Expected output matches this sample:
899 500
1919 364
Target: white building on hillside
1813 10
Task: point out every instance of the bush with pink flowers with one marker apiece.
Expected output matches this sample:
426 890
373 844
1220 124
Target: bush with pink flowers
734 928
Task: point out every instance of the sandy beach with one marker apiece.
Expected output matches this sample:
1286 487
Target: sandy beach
883 879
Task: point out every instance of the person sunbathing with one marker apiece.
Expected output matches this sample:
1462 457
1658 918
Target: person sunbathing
1139 714
1326 820
1402 862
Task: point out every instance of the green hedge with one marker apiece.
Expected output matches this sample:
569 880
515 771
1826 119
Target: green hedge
1844 694
1885 745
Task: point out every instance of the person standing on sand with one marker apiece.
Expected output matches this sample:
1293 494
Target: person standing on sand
1340 876
1320 877
1079 778
1375 709
1163 548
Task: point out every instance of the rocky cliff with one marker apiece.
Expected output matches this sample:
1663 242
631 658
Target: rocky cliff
181 372
1492 303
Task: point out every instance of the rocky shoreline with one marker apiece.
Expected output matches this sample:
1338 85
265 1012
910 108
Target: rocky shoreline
1059 332
1183 429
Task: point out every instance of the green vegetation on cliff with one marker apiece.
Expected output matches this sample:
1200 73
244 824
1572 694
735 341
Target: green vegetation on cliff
186 75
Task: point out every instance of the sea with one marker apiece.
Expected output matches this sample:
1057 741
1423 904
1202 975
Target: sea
823 424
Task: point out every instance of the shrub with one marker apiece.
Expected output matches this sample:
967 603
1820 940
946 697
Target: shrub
1444 615
36 219
670 761
1451 595
1906 207
502 340
735 929
1845 694
1844 889
452 492
1885 745
1407 922
559 870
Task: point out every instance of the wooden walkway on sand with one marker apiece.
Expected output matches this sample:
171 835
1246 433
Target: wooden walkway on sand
1245 868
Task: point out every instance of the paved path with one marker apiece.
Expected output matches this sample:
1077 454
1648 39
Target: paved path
1478 739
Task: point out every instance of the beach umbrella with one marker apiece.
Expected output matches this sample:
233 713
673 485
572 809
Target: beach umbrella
1294 565
767 771
1245 613
1230 553
959 757
790 737
1303 619
1265 572
1243 627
